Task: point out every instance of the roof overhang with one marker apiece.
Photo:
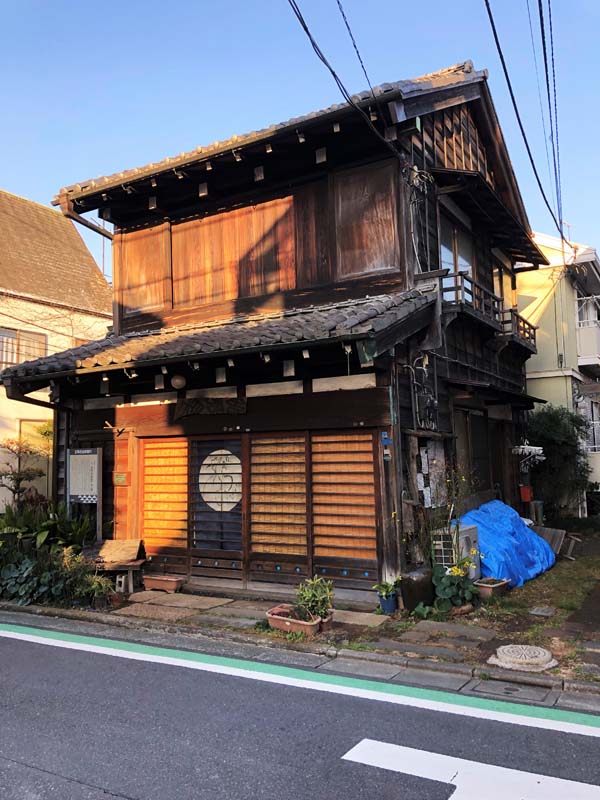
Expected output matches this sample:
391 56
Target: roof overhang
477 198
496 396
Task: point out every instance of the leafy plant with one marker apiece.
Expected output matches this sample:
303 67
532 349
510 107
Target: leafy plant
18 469
315 596
561 479
422 611
387 589
452 585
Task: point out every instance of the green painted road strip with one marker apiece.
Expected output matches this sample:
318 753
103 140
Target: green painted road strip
571 722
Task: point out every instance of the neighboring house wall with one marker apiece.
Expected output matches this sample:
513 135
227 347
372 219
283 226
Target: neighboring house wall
30 329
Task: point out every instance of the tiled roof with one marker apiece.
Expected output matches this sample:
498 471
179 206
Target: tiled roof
456 75
43 256
351 319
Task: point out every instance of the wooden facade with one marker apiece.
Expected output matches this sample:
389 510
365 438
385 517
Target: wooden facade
375 341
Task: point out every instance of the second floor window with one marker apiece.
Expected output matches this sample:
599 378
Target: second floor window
456 243
17 346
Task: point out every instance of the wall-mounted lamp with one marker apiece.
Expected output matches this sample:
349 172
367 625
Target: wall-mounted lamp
259 174
153 183
159 382
265 357
237 155
321 155
268 148
301 137
230 362
305 354
164 370
220 375
104 376
178 381
289 368
336 127
208 166
203 190
152 204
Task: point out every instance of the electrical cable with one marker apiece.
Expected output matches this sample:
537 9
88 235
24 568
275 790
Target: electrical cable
518 116
555 107
351 35
539 91
550 110
321 56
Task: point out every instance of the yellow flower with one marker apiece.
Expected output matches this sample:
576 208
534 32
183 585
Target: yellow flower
473 551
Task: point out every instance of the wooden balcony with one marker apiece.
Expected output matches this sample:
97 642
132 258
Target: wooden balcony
461 292
517 329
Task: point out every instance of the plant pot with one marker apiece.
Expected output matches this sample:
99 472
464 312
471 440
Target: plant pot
389 605
117 599
489 590
100 602
327 622
279 619
417 587
164 583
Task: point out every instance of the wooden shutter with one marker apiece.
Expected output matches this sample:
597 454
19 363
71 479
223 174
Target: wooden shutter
278 495
165 502
143 269
366 225
121 491
343 496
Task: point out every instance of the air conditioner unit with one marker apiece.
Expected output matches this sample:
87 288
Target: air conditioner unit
447 550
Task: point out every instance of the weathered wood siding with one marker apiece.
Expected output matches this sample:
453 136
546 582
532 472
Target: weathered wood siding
329 231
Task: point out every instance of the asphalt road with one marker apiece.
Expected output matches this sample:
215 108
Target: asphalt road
78 725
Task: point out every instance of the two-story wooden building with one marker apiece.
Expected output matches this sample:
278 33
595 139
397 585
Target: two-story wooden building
309 321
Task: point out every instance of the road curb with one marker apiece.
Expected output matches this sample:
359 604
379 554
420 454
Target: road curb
327 650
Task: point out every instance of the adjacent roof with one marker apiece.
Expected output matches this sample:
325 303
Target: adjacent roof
368 317
457 75
43 256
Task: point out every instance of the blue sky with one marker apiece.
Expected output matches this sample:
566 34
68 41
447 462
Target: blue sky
92 89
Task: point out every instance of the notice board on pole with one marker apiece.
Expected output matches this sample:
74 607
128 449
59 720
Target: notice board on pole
84 480
85 475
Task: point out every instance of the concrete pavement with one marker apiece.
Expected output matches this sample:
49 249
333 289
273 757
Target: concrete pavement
79 723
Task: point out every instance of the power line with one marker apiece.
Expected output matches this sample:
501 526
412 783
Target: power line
351 35
550 111
321 56
518 116
539 91
555 108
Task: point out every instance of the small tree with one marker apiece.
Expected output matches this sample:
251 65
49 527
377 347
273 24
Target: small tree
561 479
17 470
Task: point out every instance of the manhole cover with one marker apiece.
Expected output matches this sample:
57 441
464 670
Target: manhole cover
525 657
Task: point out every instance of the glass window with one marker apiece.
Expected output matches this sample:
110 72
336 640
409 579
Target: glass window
8 348
447 244
464 251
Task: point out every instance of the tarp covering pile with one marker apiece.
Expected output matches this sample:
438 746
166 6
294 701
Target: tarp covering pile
509 548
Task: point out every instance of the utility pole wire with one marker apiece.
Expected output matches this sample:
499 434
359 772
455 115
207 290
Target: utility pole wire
351 35
518 116
550 111
298 13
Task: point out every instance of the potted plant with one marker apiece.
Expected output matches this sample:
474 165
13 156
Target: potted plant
100 588
454 589
491 587
387 594
291 618
312 609
315 595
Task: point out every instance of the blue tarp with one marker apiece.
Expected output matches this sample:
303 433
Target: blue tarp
509 548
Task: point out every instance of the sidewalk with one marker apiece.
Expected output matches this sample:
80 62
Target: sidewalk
432 655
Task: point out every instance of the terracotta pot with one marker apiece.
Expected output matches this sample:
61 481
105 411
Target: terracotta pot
456 611
279 619
117 599
164 583
489 590
327 622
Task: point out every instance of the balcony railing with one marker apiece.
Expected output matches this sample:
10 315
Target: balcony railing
513 324
458 288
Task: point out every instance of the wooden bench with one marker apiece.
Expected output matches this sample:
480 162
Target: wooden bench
120 556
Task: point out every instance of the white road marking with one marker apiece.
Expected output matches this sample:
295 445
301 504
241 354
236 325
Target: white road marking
282 676
471 778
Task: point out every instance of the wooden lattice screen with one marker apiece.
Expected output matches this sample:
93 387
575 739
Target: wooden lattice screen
343 496
165 500
278 495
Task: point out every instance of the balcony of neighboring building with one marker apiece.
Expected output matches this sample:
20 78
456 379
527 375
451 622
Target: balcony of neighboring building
593 450
588 335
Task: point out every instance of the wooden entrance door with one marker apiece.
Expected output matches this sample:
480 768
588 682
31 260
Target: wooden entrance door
215 512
